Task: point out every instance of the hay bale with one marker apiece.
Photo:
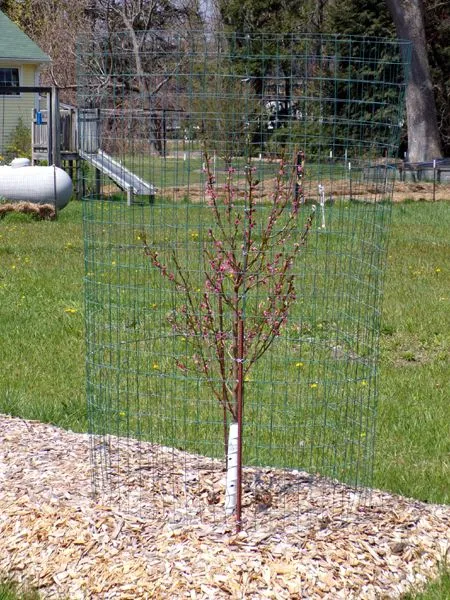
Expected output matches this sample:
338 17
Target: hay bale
40 212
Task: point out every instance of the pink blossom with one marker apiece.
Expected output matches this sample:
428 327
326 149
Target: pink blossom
208 319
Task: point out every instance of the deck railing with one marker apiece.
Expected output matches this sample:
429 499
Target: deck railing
68 132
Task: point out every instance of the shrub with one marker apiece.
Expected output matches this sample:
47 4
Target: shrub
19 143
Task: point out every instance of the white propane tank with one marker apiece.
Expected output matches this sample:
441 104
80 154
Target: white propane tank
20 182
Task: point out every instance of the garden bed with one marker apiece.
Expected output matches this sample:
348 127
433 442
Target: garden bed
416 191
333 545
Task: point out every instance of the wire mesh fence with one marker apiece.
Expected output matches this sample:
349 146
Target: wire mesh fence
235 229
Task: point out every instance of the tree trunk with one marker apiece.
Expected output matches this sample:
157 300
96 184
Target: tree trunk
423 132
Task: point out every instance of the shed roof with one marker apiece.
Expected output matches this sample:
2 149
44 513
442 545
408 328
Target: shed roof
16 45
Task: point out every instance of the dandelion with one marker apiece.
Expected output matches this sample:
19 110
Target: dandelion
155 366
70 310
313 386
299 365
364 382
122 414
113 262
13 266
437 270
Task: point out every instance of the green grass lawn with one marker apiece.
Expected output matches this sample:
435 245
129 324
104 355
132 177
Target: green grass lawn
41 315
308 403
186 167
436 590
414 407
42 342
11 591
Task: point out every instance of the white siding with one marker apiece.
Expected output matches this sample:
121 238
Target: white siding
14 107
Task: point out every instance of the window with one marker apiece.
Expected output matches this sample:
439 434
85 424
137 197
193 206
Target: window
9 78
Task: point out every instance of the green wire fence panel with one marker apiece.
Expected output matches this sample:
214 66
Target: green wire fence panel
236 210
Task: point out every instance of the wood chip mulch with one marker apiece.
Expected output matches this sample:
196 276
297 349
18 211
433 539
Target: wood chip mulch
56 536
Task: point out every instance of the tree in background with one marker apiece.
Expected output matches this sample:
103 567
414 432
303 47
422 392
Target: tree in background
428 27
54 26
407 18
143 15
423 132
264 16
437 29
373 18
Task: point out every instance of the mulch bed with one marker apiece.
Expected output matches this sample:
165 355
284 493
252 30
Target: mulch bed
323 541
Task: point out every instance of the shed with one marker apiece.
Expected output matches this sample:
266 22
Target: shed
20 63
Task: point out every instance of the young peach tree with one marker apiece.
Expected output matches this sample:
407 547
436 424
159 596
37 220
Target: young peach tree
236 304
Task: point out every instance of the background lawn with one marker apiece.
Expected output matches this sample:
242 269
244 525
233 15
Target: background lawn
414 409
42 341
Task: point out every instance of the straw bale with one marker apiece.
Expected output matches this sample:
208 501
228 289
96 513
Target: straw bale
39 212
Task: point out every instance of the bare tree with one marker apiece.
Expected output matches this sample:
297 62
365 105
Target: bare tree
318 15
54 26
143 15
423 131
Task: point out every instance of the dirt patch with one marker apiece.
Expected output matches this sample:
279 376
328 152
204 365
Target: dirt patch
374 192
421 191
313 539
413 191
